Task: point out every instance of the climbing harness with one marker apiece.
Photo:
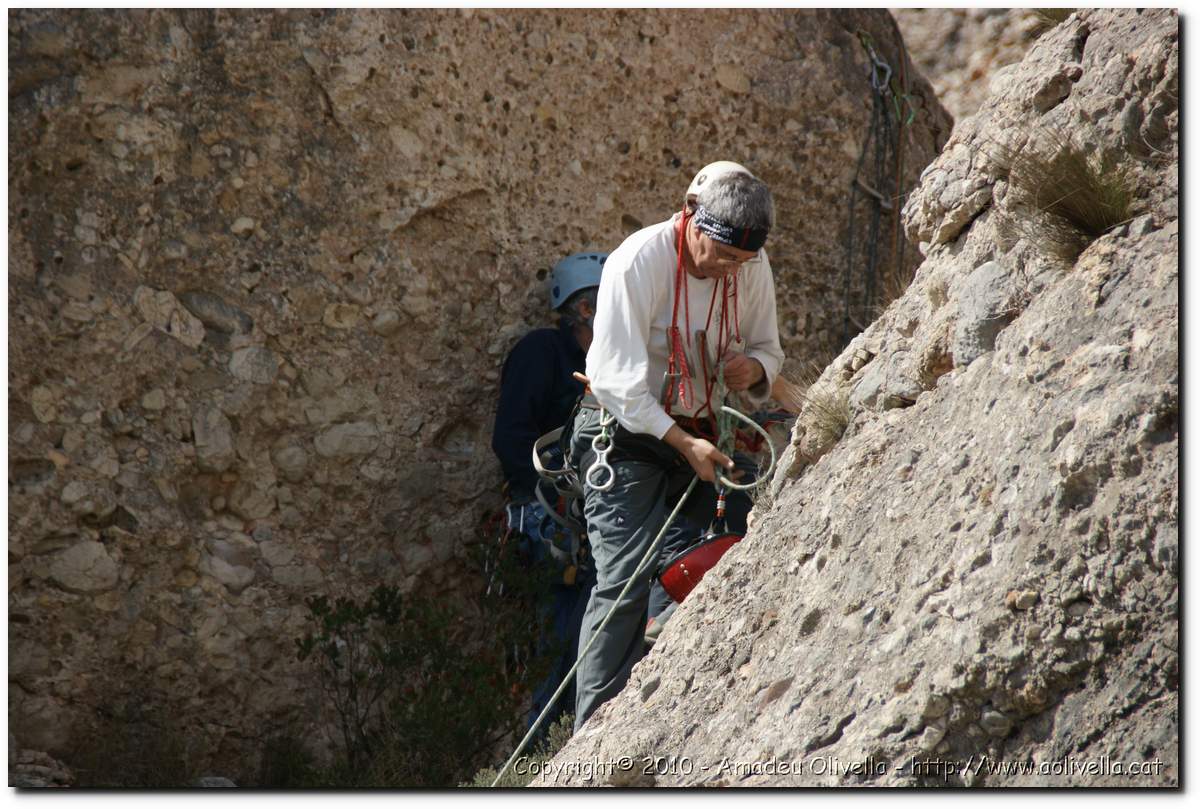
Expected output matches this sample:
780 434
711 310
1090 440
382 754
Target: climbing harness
887 121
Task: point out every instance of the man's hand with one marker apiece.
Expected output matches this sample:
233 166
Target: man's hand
700 454
742 372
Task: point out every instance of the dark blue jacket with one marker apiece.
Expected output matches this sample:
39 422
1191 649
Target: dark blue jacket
537 393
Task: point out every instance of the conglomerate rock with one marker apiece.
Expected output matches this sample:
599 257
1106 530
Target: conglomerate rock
978 584
958 49
264 267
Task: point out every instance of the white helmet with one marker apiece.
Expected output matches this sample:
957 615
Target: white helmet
710 172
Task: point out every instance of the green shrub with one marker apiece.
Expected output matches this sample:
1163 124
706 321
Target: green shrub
529 763
425 691
356 648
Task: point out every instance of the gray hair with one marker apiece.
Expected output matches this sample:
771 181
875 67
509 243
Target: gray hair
739 200
570 308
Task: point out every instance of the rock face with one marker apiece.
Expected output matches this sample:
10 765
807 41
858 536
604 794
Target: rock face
978 584
264 267
958 49
31 769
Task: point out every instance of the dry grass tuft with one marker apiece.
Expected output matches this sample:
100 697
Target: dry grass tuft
1063 195
1048 18
894 283
824 407
788 394
826 415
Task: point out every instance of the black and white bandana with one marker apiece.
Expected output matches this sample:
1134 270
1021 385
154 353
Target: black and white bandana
741 238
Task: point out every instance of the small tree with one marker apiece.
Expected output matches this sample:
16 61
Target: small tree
356 648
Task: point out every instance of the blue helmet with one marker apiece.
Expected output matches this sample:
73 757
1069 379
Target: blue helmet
574 273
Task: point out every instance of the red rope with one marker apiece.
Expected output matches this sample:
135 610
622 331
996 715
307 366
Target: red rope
677 361
737 320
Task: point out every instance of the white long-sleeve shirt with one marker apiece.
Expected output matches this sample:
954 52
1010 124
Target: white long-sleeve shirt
630 351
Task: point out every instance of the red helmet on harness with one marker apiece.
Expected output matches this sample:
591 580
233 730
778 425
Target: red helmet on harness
681 575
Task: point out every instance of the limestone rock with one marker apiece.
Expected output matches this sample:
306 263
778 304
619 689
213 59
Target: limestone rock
242 226
154 399
254 364
89 499
958 48
345 440
342 315
236 578
214 439
237 552
250 502
886 384
733 79
185 328
215 313
277 554
309 303
991 545
305 578
42 399
386 323
983 311
155 306
291 460
85 567
33 769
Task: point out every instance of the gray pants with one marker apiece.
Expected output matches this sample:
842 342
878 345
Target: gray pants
622 524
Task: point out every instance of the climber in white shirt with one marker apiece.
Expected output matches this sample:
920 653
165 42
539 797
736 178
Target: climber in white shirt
677 300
